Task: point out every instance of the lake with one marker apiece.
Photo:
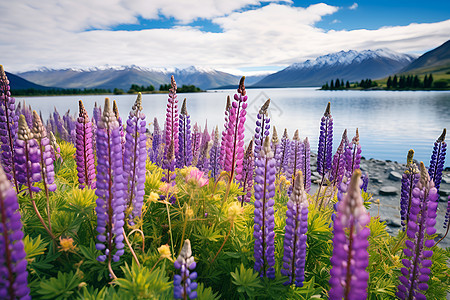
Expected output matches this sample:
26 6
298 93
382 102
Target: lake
389 122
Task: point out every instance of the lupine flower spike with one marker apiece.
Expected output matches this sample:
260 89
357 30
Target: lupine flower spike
110 188
264 251
262 127
410 178
157 151
135 156
339 166
172 126
283 156
295 159
184 157
56 151
184 285
203 161
295 234
8 128
350 257
275 143
353 155
84 153
438 159
247 179
422 218
119 120
223 144
13 264
306 166
196 142
214 155
325 148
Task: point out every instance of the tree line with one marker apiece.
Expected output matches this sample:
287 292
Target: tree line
336 85
410 81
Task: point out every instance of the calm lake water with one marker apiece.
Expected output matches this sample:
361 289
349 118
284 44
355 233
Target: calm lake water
390 122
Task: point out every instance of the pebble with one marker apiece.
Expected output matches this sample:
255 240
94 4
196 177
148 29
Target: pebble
395 176
392 223
444 192
443 199
445 179
375 180
388 190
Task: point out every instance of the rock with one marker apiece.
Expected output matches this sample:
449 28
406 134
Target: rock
380 162
443 199
375 180
392 223
445 179
388 190
363 167
395 176
316 174
444 192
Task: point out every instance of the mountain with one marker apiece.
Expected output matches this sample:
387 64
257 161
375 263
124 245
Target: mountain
347 65
436 60
18 83
122 77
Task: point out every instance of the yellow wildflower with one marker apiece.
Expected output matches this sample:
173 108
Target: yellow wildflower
234 210
66 245
164 251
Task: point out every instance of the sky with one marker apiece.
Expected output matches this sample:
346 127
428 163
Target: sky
243 37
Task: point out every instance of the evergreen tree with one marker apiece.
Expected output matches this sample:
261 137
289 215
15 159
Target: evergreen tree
389 82
347 85
416 82
430 80
395 82
332 85
401 82
338 84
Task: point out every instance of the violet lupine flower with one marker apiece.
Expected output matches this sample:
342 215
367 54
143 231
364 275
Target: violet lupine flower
110 187
56 151
447 215
70 126
171 125
184 155
196 142
135 156
262 127
350 257
27 112
422 218
169 165
84 153
275 142
295 159
247 179
203 160
410 178
27 157
264 251
306 166
339 165
13 264
353 155
184 285
59 124
119 120
157 147
96 114
9 122
325 143
214 156
365 182
45 149
438 159
235 134
283 156
295 234
223 144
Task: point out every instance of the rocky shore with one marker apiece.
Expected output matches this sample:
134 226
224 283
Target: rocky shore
385 186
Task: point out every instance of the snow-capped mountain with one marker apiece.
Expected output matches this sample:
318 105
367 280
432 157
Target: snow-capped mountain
348 65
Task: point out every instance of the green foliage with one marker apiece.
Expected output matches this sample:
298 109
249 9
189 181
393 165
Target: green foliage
246 280
61 287
34 247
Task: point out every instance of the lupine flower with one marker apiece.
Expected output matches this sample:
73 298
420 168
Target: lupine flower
438 159
365 182
56 151
27 157
27 112
135 156
184 155
214 155
59 125
295 234
223 144
447 215
84 153
119 120
422 218
171 125
184 285
203 160
264 251
13 264
262 127
169 165
295 159
410 178
235 133
247 179
196 142
70 126
325 143
306 166
283 156
157 146
96 114
275 143
353 155
350 257
8 128
110 187
339 165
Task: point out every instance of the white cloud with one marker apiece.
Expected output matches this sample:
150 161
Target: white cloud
335 21
353 6
50 34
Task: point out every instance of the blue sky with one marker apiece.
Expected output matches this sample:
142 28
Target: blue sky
239 36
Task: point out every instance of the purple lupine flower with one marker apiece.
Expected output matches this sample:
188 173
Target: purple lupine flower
59 124
325 143
295 159
184 285
262 127
350 257
45 150
169 165
235 133
196 142
70 126
339 165
264 251
203 160
365 182
27 157
223 144
447 215
306 166
410 178
27 112
84 153
9 122
283 156
422 218
171 125
353 155
157 147
96 114
110 187
119 120
275 143
135 156
184 155
295 234
13 264
56 151
214 156
247 179
438 159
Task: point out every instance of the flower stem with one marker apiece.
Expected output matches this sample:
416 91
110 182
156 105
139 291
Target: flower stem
170 225
224 241
131 248
159 259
